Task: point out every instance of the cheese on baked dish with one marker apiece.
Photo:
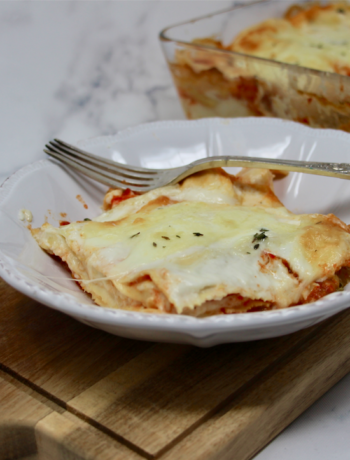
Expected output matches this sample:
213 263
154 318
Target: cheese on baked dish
213 244
215 78
314 36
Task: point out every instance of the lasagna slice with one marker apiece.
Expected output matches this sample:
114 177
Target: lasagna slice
213 244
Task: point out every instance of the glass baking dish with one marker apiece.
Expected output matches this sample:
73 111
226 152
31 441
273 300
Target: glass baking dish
214 82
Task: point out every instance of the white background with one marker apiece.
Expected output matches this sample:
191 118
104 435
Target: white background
78 69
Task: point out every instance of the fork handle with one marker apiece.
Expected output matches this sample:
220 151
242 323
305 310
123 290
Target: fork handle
340 170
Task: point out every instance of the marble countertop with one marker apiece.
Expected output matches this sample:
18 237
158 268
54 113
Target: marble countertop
79 69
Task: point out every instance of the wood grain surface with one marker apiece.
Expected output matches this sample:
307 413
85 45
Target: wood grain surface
68 391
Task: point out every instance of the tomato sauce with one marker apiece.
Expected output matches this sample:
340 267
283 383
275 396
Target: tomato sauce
126 194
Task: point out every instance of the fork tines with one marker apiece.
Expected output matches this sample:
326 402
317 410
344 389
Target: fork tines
101 169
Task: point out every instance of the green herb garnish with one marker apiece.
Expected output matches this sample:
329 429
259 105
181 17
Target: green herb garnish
260 236
135 235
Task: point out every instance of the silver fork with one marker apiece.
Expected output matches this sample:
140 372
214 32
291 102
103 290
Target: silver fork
143 179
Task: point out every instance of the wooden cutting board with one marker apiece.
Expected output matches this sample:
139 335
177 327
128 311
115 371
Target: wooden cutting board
68 391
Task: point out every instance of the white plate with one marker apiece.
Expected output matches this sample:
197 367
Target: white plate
48 189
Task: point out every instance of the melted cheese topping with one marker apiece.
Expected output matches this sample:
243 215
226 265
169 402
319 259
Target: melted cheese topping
316 37
189 254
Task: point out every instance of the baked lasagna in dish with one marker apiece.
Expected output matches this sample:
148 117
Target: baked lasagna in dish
296 67
314 36
213 244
